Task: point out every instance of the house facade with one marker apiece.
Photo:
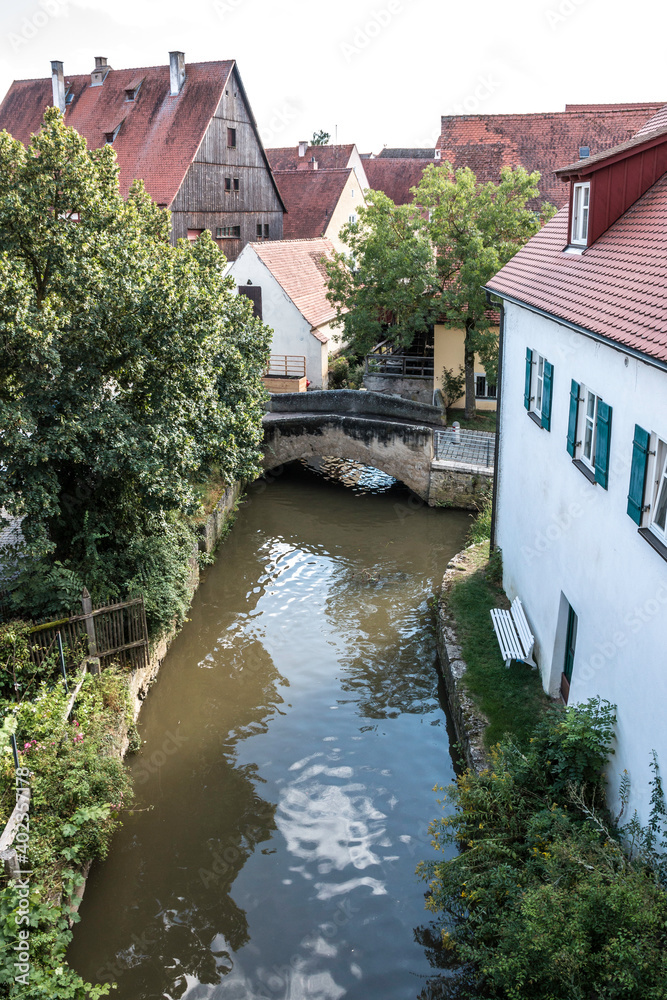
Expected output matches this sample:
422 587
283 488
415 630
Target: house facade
186 130
580 511
287 283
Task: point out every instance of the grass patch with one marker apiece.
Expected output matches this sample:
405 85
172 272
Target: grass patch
484 420
512 700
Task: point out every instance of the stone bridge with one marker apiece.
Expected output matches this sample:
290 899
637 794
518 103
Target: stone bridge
392 434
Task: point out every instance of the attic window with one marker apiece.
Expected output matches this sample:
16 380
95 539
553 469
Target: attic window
69 97
580 207
110 137
132 91
584 151
228 233
231 137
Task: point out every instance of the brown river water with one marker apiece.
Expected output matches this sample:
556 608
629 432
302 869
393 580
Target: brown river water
291 746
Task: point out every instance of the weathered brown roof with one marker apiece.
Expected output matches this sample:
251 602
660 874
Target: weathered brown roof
396 176
297 266
404 153
160 134
310 197
328 157
543 142
617 288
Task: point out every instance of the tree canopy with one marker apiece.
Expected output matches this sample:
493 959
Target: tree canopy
320 138
427 262
130 369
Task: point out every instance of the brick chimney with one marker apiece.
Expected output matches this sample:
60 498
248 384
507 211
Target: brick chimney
58 82
99 74
176 72
303 146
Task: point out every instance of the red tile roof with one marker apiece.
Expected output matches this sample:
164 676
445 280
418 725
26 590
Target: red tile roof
159 135
543 142
590 163
616 289
328 157
298 268
310 197
395 176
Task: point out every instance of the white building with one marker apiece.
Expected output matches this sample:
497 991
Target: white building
287 282
581 487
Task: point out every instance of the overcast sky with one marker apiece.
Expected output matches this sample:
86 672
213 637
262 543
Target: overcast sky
375 73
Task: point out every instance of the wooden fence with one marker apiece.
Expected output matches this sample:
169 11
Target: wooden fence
286 366
112 632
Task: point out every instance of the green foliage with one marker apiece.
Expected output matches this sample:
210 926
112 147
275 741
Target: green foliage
345 374
131 370
320 138
453 384
480 530
79 787
542 902
428 262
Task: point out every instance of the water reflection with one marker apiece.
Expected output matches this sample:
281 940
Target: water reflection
292 743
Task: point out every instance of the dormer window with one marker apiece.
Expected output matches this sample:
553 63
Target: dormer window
133 89
109 137
580 206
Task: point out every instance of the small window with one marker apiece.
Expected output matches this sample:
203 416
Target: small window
236 183
484 389
580 206
584 152
259 230
266 230
647 495
538 388
589 433
194 234
228 233
231 138
352 193
658 496
69 97
228 184
110 137
352 218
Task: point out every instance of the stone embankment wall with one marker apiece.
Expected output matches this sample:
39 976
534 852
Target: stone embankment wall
469 722
418 389
210 533
455 485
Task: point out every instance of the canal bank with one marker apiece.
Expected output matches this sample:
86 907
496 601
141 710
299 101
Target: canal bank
292 741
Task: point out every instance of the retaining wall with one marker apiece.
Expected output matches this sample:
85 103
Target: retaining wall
418 389
456 485
355 401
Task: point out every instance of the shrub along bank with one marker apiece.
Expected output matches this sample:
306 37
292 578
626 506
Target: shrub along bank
79 787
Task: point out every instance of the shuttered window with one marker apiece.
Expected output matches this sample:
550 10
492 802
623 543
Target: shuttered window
538 388
529 378
547 393
602 443
640 450
573 419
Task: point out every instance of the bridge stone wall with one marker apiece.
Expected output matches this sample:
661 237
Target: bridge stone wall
354 401
404 451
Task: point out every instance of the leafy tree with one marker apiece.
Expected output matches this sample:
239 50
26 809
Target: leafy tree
320 138
130 369
388 291
427 262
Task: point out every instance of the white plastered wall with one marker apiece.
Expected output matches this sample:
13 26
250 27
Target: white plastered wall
565 538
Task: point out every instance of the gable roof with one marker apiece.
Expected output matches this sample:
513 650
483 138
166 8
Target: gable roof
328 157
485 143
396 175
591 163
159 134
617 289
404 153
310 197
298 268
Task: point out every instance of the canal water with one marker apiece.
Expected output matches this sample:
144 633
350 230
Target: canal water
291 746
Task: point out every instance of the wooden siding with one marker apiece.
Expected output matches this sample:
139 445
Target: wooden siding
618 186
202 201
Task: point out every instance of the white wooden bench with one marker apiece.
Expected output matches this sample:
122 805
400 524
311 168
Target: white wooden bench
513 633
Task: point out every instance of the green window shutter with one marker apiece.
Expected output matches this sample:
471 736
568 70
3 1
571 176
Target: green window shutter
602 443
638 473
547 392
572 422
529 368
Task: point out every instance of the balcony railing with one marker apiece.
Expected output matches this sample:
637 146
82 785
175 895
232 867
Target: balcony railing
400 365
286 366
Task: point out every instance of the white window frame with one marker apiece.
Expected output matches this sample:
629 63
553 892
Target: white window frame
581 206
656 485
587 423
537 383
486 387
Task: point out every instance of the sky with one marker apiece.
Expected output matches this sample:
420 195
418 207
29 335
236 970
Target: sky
374 73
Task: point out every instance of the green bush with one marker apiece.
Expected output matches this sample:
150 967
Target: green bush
480 530
542 902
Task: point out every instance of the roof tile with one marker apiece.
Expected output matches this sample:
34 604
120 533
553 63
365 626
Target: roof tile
298 267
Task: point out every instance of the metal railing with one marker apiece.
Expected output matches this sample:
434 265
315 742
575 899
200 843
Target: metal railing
286 366
400 365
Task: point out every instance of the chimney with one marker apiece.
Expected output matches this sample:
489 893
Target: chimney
303 146
58 82
98 75
313 163
176 72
